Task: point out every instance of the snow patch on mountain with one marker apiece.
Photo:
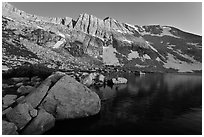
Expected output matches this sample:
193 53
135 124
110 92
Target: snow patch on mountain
173 62
140 66
59 43
135 54
109 56
145 56
132 26
60 34
195 44
158 59
128 41
151 46
39 27
165 32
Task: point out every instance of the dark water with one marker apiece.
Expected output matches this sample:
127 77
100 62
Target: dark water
150 104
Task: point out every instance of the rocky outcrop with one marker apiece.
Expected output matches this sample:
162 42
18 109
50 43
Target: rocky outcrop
20 115
40 124
36 96
9 99
8 128
70 99
90 42
25 89
93 79
98 27
10 10
89 79
59 96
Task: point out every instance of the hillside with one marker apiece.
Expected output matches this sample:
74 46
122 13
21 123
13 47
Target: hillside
90 42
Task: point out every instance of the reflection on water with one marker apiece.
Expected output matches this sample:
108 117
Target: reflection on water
151 104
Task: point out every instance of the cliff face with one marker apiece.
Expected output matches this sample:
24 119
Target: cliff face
90 41
12 12
97 27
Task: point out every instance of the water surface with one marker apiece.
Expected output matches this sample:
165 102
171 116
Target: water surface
149 104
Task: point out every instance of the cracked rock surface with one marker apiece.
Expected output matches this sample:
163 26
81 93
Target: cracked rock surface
59 96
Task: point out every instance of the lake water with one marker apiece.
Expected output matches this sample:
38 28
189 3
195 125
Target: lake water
150 104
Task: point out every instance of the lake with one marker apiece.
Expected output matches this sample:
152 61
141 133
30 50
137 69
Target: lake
167 104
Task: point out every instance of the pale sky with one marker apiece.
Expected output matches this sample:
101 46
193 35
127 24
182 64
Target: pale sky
186 16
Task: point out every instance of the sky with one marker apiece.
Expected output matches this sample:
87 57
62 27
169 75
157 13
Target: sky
186 16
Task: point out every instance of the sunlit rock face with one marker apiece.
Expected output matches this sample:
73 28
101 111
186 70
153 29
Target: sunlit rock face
89 42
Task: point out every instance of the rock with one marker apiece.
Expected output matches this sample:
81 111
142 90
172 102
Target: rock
9 99
37 84
20 79
89 80
119 80
6 110
98 27
101 78
5 68
33 113
85 74
8 128
4 106
19 84
5 85
20 99
142 73
20 115
71 99
40 124
36 96
25 89
35 78
56 76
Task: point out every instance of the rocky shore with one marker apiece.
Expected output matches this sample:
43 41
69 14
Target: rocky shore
32 103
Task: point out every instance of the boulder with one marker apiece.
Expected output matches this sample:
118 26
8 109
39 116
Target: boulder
19 84
101 78
20 99
9 99
89 80
36 84
35 78
6 111
4 106
40 124
119 80
8 128
25 89
71 99
20 115
20 79
5 85
36 96
33 113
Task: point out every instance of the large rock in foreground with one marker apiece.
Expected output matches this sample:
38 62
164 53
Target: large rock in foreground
71 99
8 128
38 94
40 124
20 115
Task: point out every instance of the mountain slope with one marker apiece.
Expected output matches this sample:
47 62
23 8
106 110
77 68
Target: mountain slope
90 42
